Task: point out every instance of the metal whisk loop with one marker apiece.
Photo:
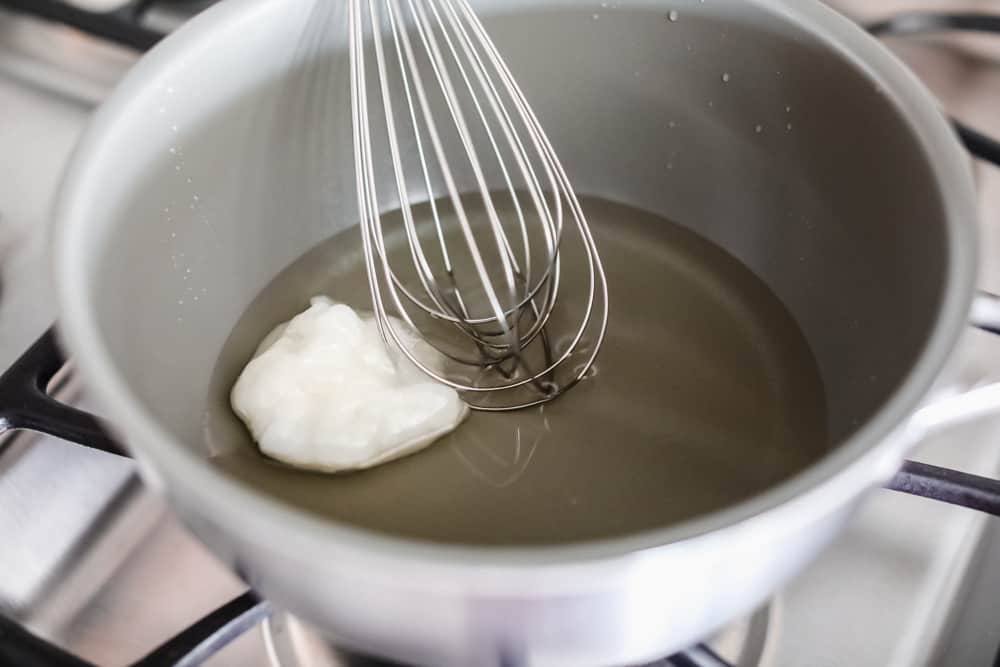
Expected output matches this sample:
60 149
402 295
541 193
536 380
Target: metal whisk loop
440 123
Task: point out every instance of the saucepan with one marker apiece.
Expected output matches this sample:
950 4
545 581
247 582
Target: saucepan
775 129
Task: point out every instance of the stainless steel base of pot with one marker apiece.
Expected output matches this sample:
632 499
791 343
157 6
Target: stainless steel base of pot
291 643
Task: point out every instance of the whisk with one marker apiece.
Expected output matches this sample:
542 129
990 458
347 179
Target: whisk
439 119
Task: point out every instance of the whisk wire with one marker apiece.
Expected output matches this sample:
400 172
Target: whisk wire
426 33
473 86
425 275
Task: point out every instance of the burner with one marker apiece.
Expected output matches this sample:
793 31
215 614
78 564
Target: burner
292 643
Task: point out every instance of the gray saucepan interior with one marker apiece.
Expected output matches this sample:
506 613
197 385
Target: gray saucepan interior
797 164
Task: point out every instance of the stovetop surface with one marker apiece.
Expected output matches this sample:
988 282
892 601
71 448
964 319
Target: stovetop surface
103 569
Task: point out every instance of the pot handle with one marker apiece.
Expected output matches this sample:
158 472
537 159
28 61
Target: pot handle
921 479
979 400
952 486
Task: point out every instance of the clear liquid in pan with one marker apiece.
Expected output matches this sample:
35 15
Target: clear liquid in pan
705 393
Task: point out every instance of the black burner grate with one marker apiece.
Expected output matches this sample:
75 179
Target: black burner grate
123 26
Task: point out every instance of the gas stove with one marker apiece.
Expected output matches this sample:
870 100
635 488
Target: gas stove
96 565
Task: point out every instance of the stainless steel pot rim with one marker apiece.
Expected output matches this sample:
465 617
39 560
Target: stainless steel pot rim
259 519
